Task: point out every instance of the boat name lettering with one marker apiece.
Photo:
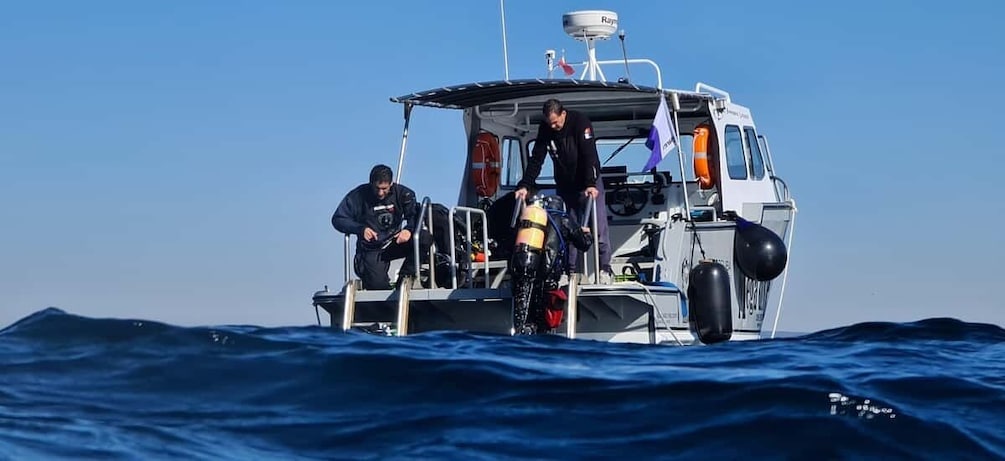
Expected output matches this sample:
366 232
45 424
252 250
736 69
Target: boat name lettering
738 114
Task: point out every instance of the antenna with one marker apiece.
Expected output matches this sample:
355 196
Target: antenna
624 53
549 57
502 13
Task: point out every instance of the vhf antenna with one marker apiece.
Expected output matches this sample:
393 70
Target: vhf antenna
502 14
624 53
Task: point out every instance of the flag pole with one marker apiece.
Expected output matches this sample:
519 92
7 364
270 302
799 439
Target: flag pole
674 107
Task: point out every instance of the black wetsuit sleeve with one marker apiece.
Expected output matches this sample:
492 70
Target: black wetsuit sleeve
536 160
347 216
409 207
586 147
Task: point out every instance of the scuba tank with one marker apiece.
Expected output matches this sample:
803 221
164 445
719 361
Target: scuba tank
526 259
529 240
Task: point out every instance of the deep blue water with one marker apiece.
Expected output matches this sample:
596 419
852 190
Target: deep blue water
78 387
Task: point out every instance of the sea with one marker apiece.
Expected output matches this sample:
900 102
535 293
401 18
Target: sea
75 387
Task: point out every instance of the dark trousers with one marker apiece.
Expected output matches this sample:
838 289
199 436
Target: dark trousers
372 265
575 202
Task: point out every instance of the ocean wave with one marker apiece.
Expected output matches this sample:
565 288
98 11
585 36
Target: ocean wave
74 386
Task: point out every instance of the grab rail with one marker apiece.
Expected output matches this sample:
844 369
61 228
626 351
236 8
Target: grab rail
788 249
418 231
516 109
346 253
785 188
620 62
590 215
467 251
711 89
517 208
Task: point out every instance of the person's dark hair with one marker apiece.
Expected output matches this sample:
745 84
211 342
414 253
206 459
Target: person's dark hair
380 173
552 106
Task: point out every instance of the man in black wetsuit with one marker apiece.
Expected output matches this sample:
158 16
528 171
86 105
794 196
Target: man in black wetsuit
568 137
382 216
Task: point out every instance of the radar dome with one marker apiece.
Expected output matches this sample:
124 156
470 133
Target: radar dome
591 24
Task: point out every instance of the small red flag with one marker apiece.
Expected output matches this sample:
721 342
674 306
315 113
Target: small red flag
565 67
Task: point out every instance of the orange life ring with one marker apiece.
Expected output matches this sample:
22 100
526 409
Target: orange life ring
701 161
486 164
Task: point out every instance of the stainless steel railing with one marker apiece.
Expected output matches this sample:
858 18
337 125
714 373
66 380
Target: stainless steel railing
423 210
785 188
346 253
467 250
590 216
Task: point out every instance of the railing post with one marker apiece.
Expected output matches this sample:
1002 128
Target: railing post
596 243
572 308
418 232
517 208
432 254
349 305
452 253
346 253
485 240
467 249
404 293
590 216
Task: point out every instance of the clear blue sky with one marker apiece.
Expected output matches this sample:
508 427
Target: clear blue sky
180 161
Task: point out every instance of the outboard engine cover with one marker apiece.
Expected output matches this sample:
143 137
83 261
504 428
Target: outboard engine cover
709 303
759 253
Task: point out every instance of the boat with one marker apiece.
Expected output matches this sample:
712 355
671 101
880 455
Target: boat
700 242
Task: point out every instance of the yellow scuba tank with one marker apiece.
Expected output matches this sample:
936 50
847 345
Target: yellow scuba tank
529 241
533 222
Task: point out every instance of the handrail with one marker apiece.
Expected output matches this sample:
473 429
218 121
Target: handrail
346 254
432 252
572 308
485 238
418 231
700 85
785 188
516 109
590 215
788 248
517 208
620 62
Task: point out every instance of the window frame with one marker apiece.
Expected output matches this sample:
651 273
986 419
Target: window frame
732 168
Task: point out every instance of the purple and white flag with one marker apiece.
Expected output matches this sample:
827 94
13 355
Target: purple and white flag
662 136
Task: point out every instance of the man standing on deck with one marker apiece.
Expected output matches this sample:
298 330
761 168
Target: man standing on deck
567 136
383 217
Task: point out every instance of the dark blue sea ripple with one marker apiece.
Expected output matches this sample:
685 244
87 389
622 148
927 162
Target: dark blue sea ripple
78 387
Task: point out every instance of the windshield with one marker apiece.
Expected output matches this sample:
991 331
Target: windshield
630 159
634 155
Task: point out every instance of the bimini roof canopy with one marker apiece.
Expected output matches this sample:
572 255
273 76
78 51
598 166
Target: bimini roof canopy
486 93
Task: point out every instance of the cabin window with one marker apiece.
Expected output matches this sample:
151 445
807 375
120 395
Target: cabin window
736 164
547 176
633 154
687 150
626 156
512 161
756 159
